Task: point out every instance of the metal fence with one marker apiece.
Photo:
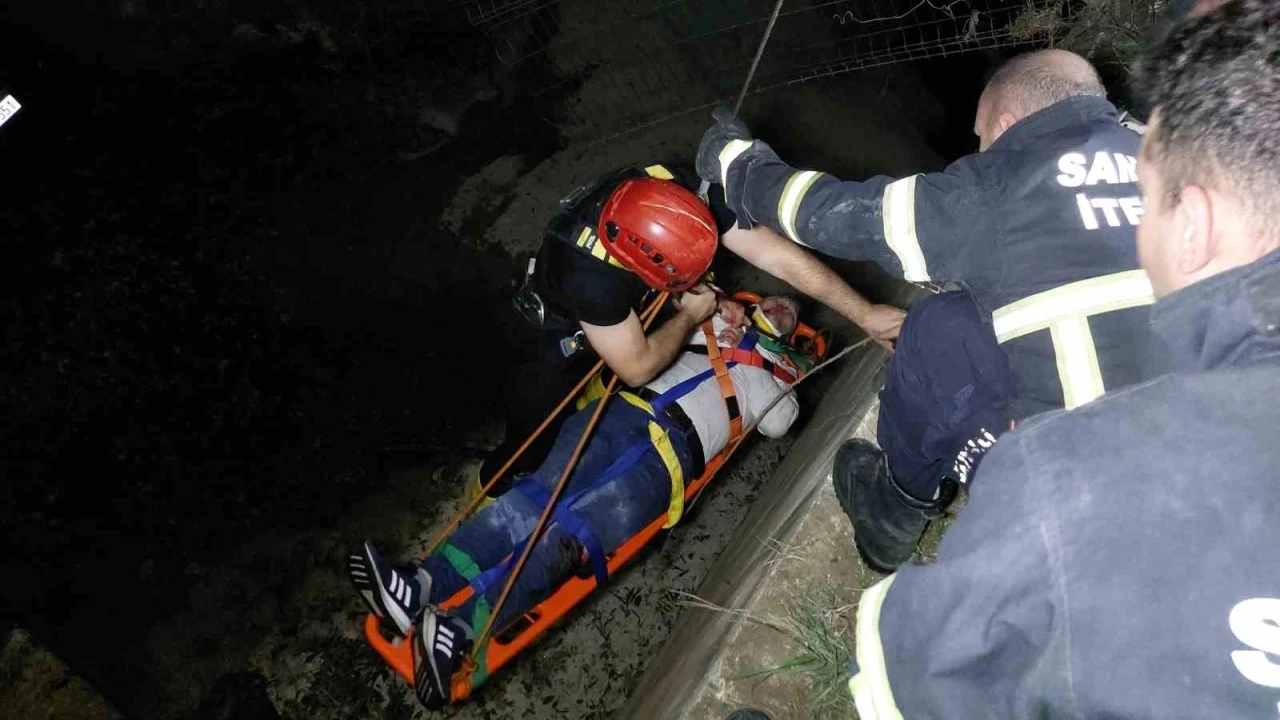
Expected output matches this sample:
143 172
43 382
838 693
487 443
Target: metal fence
624 64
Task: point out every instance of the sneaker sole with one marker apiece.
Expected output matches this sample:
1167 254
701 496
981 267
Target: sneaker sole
424 658
364 575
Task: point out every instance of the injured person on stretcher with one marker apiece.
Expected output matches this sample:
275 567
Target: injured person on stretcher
622 482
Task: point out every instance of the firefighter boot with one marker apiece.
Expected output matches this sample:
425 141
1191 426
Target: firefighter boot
887 522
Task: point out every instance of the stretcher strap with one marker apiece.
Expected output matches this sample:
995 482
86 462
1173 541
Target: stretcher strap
466 566
570 522
461 562
660 440
594 391
750 358
727 390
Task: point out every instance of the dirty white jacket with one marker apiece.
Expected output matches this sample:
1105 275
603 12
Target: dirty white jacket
755 387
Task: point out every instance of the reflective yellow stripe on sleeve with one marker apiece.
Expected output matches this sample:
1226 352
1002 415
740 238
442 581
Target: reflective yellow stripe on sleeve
789 202
870 687
728 154
899 211
662 443
1065 311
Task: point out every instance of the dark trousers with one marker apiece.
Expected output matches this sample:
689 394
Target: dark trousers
614 511
537 377
948 383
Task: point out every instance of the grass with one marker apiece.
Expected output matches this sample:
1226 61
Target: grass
819 628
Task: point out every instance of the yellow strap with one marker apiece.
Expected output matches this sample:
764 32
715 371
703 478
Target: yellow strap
592 392
657 171
870 687
662 443
1065 311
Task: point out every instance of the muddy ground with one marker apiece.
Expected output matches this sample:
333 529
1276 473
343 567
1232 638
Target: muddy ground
296 641
239 324
789 655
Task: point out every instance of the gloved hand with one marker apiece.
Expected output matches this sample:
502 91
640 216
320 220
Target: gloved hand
727 127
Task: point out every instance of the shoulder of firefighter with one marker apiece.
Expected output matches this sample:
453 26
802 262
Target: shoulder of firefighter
1116 561
1040 228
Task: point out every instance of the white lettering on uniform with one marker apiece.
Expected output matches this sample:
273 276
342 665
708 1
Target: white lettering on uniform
1132 209
1108 207
1102 170
1072 167
1086 212
1128 166
1256 623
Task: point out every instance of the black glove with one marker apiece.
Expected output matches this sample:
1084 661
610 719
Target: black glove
728 127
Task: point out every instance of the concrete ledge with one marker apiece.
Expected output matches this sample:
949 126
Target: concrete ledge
678 671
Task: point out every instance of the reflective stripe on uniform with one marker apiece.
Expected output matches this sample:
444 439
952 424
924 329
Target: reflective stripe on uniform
728 154
591 242
662 443
660 172
1064 311
789 202
899 210
870 687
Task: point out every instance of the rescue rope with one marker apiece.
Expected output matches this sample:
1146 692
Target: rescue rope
751 73
496 610
646 317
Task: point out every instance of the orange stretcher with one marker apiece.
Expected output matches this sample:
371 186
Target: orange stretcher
503 645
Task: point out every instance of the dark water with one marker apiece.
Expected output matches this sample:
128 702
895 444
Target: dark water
228 305
230 309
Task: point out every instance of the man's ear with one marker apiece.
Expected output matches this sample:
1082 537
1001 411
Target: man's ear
1006 121
1197 246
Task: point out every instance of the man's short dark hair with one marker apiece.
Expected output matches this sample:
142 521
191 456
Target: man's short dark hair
1215 81
1033 81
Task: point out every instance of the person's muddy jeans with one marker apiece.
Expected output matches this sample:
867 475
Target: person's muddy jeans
615 511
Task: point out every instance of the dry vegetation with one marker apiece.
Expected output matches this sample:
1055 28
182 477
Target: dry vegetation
1110 32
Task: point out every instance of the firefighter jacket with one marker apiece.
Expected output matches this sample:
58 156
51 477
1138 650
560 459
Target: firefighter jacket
1117 561
1040 228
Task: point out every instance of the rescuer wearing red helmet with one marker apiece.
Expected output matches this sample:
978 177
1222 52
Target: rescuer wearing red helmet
612 246
615 242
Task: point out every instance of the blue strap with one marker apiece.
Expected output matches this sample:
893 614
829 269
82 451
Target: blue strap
749 339
574 525
569 520
660 403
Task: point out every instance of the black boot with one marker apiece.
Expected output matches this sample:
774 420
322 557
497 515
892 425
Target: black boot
887 522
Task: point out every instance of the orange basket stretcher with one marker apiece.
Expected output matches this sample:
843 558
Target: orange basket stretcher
503 646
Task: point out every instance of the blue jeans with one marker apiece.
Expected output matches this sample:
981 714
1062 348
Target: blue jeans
614 511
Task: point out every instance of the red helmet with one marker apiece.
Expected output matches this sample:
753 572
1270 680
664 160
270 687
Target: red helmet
660 231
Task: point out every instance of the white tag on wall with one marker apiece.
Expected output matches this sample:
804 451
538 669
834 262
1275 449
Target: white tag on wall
8 108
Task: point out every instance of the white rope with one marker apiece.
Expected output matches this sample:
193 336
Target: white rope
746 85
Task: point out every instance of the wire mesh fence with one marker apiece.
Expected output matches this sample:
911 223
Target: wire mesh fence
626 64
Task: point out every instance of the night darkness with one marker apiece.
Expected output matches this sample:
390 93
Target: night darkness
216 332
